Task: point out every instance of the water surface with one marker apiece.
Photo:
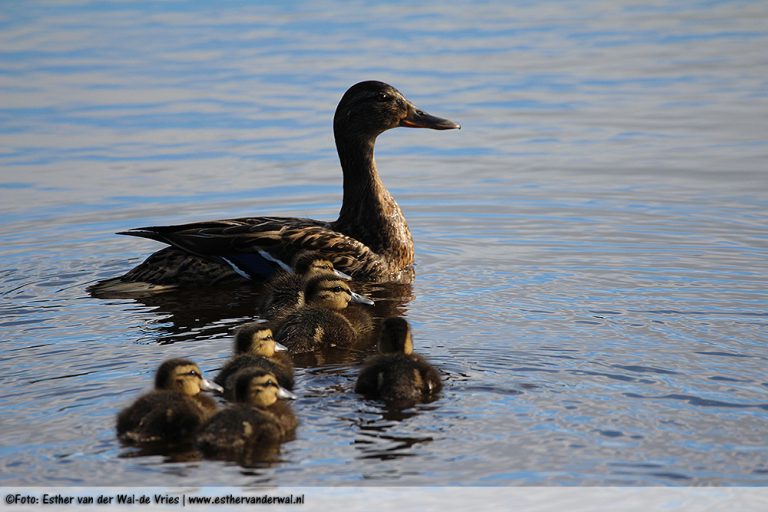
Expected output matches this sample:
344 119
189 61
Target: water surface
591 247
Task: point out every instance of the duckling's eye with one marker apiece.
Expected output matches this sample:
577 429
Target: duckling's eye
382 96
337 289
194 373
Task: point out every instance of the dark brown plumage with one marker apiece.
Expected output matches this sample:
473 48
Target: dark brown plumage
397 375
171 413
370 240
320 323
255 347
254 426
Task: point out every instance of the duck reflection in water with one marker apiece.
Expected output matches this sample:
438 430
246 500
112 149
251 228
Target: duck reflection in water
205 314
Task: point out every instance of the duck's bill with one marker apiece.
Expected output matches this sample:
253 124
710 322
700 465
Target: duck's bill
339 273
360 299
280 347
285 394
211 386
419 119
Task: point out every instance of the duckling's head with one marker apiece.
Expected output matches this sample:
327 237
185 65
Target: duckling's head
184 376
310 263
256 338
329 291
370 108
259 388
396 337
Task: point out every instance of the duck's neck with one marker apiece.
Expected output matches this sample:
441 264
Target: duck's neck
369 213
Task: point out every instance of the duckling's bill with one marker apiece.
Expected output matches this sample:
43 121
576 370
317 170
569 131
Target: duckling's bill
207 385
279 347
342 275
360 299
285 394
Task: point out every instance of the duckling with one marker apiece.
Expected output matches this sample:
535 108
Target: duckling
255 347
173 411
397 375
285 292
319 323
260 419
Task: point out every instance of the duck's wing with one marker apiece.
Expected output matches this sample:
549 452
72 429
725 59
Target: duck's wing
255 247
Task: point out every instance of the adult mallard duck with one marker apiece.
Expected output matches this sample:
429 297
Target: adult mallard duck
397 375
370 240
173 411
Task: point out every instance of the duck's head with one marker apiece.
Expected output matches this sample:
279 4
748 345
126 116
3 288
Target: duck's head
395 337
310 263
259 388
184 376
256 338
329 291
370 108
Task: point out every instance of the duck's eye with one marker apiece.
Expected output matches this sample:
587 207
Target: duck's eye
194 373
338 289
382 96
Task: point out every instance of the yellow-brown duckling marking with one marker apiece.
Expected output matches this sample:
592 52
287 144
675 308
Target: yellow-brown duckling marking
255 347
253 427
397 375
319 323
173 411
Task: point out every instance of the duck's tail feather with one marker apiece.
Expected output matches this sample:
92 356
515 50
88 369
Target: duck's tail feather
117 288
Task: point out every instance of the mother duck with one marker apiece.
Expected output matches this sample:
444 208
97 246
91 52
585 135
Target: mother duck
370 240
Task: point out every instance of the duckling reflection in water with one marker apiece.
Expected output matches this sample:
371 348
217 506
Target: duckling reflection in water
255 347
171 413
397 375
255 425
285 292
320 322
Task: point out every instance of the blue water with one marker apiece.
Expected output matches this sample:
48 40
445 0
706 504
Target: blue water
592 253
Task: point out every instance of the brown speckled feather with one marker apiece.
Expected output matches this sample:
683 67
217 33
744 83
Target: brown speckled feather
282 238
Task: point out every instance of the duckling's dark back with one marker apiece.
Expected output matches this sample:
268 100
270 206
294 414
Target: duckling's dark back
398 376
238 431
312 328
163 417
399 379
280 365
281 295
